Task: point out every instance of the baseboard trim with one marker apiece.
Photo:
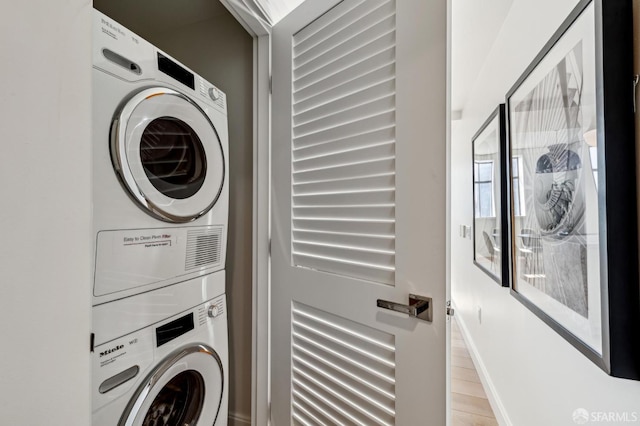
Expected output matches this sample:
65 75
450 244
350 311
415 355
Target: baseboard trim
237 419
492 395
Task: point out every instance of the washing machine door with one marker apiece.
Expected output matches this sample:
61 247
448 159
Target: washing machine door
185 389
167 154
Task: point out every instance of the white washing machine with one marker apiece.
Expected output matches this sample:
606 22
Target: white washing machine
160 358
160 167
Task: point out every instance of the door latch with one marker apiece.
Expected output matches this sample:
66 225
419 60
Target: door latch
450 311
419 307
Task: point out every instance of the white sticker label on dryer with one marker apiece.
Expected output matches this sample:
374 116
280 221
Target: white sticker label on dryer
149 240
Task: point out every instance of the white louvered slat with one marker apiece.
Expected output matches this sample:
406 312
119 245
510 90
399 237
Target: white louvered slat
304 414
354 42
343 381
366 139
343 143
348 59
343 372
338 32
350 128
331 387
352 212
366 161
369 72
331 23
374 196
359 97
347 115
373 383
301 398
385 180
311 35
340 266
346 178
360 226
359 254
337 406
380 242
335 355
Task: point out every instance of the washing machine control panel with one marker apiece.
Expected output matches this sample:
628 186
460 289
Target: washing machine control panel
120 364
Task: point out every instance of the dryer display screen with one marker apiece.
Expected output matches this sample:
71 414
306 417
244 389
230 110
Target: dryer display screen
174 70
174 329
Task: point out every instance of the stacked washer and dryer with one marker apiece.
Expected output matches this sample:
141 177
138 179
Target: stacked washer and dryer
161 191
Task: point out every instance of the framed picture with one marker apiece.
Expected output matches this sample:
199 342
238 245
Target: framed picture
490 198
573 220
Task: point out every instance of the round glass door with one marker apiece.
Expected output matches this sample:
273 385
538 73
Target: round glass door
184 389
179 402
173 157
167 155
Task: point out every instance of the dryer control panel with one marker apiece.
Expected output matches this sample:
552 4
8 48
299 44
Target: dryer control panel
120 52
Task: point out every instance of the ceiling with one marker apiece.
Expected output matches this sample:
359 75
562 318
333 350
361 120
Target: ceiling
475 26
277 9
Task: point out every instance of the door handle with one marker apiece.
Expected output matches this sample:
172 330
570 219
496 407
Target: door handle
418 307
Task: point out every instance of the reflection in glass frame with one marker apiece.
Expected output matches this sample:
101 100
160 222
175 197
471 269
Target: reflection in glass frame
489 198
574 236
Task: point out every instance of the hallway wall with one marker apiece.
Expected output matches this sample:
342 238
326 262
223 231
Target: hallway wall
45 213
537 376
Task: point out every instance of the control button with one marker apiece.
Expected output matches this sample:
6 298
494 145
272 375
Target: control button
214 93
213 311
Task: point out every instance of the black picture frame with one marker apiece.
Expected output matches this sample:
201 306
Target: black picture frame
490 241
600 315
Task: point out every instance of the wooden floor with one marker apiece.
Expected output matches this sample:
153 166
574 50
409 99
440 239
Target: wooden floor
469 404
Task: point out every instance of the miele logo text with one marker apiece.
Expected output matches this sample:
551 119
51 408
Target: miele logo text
113 27
109 351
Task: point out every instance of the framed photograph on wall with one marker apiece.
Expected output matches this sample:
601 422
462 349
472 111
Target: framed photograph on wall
490 243
573 221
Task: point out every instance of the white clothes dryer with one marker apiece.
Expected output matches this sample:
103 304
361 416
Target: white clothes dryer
160 163
154 369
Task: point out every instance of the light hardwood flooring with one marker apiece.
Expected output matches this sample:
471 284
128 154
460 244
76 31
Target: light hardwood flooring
469 403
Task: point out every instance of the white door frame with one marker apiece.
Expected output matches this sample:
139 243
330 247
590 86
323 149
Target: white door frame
260 300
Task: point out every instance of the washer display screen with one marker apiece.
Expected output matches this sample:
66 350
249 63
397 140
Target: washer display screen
173 157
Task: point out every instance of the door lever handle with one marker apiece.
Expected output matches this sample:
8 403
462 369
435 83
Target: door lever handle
418 307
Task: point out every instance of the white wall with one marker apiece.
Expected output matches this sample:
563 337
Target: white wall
45 212
538 377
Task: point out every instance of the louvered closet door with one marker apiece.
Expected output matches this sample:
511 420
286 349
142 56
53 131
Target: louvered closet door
358 212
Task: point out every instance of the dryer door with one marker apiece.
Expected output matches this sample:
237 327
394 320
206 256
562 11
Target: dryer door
185 389
167 154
